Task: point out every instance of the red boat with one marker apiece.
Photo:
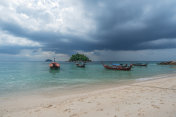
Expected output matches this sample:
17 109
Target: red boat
54 65
128 68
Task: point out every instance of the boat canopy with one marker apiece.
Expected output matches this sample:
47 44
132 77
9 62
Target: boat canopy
116 64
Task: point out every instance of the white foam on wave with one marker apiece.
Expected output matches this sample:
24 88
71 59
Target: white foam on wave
155 77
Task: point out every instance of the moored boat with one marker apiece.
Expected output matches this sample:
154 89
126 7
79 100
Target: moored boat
54 65
80 65
140 64
113 67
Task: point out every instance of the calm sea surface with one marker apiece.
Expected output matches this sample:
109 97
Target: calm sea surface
28 76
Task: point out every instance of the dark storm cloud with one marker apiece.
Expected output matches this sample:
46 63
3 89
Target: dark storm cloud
155 16
120 25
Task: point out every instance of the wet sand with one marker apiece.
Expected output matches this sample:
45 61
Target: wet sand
155 98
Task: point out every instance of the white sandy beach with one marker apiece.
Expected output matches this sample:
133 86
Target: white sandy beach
155 98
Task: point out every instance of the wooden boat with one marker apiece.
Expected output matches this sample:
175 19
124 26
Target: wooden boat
54 65
80 65
113 67
139 64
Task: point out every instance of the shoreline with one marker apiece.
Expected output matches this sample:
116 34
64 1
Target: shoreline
156 97
82 88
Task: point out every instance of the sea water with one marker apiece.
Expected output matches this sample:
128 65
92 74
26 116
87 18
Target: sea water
29 76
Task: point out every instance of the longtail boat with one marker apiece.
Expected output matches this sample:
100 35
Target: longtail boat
54 65
139 64
113 67
81 65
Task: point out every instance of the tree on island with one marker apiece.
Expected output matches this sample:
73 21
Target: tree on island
79 57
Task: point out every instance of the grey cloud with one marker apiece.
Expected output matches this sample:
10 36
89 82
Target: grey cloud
13 50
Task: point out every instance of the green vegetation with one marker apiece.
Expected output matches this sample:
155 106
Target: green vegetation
79 57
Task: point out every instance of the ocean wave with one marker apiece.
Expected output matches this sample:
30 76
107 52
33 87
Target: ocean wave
155 77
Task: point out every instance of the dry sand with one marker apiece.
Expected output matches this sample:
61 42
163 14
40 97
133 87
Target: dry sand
155 98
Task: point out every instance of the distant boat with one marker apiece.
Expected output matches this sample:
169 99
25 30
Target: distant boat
119 67
140 64
83 65
54 65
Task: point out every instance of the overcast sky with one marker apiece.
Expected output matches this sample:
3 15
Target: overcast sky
101 29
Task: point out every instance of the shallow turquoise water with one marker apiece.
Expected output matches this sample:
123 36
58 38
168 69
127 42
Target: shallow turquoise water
27 76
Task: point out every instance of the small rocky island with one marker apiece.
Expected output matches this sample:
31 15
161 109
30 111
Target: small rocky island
48 60
168 63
